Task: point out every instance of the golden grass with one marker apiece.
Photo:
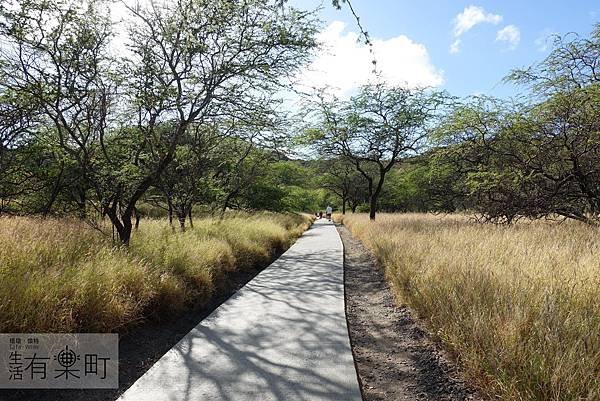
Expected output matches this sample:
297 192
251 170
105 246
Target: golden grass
62 276
519 306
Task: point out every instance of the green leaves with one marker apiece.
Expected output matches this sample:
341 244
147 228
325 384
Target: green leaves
122 122
572 64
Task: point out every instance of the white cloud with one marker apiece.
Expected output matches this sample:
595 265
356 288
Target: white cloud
344 63
471 16
509 34
467 19
455 46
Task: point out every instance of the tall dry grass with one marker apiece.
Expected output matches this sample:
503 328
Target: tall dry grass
519 306
62 276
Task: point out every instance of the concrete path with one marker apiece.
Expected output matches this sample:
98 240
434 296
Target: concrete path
283 336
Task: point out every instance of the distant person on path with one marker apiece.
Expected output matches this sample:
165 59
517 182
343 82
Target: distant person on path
328 212
320 214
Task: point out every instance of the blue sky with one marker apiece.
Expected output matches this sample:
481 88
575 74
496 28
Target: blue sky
416 38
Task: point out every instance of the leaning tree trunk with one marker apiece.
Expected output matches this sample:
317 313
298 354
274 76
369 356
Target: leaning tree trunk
181 215
55 191
136 212
372 207
231 195
170 206
375 196
127 227
121 223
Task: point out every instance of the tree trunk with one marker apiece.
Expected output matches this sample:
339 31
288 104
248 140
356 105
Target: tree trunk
170 205
190 217
121 223
181 215
137 218
344 206
81 204
372 207
127 227
231 195
375 195
226 203
55 191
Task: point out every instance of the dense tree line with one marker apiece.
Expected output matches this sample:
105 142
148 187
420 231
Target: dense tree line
183 116
93 129
502 159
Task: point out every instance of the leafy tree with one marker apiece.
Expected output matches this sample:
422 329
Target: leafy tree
537 159
376 129
340 177
17 121
475 135
186 181
564 128
283 185
189 63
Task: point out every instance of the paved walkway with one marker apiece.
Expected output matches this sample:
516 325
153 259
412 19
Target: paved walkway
283 336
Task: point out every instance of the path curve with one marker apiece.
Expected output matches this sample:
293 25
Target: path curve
283 336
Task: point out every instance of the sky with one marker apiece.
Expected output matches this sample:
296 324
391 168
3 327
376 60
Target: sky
465 47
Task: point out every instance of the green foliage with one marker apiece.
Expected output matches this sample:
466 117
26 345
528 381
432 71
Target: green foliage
84 132
285 186
187 121
375 129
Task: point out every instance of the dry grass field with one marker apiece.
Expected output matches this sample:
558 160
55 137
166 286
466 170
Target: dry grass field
62 276
518 306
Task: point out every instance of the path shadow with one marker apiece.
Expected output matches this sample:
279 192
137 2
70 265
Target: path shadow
281 337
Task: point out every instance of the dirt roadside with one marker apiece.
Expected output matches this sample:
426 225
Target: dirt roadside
395 357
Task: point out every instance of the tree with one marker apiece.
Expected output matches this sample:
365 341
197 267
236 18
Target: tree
564 128
254 143
185 181
537 159
199 59
340 177
376 129
17 121
481 158
54 57
188 62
